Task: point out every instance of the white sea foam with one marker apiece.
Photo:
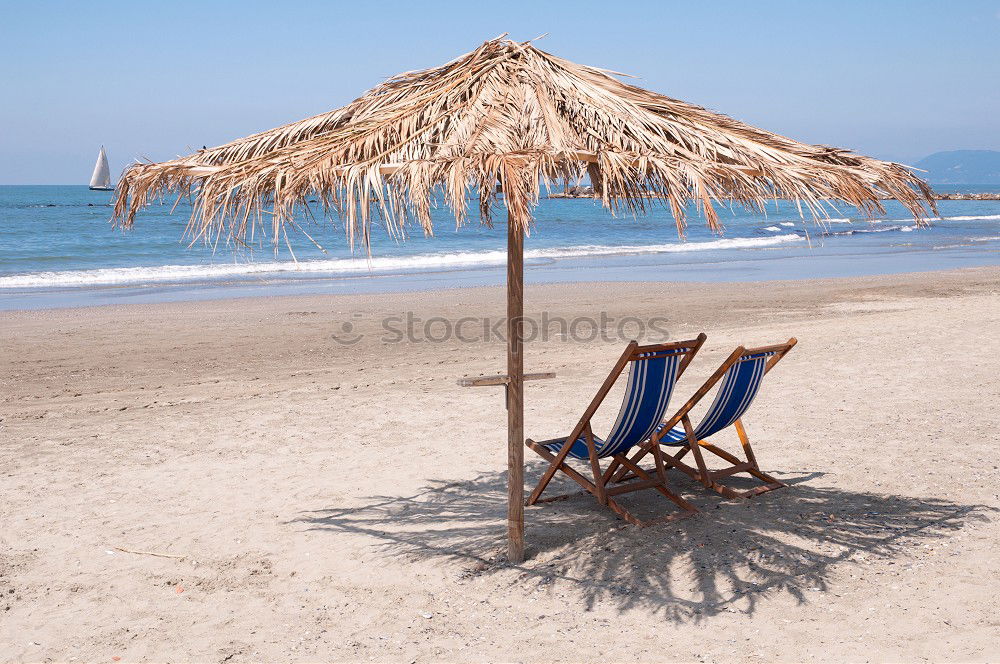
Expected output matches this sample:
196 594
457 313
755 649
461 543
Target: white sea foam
773 229
862 221
359 266
983 217
861 231
787 223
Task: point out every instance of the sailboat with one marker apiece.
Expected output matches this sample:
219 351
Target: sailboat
101 179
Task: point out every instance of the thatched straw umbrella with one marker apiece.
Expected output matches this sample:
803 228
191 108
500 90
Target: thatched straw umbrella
511 114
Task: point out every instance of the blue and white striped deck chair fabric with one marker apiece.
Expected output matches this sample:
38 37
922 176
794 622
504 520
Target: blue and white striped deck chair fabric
651 380
739 387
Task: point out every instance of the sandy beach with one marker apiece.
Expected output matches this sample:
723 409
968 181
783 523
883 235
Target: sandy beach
311 499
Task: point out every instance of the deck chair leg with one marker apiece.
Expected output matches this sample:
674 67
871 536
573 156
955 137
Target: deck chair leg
733 459
623 472
757 472
557 462
618 509
595 466
662 488
658 458
661 471
612 469
701 472
752 468
675 462
696 450
671 461
574 475
668 461
745 442
770 483
624 513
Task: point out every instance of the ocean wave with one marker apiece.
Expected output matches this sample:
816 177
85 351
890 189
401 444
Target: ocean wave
878 229
359 266
847 220
980 217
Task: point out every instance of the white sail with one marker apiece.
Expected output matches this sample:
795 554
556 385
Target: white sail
101 179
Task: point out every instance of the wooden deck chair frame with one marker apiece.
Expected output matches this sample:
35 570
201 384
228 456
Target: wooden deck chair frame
701 473
654 479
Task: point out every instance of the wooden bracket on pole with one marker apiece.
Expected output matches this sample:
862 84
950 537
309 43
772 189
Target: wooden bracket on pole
502 379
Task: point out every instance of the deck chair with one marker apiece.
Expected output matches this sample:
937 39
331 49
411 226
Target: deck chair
653 372
741 374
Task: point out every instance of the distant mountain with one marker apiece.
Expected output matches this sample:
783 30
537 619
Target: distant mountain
962 167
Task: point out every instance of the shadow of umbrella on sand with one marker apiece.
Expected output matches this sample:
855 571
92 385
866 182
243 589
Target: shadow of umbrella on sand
741 556
506 117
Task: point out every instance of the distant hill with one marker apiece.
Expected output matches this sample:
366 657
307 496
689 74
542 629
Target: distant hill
962 167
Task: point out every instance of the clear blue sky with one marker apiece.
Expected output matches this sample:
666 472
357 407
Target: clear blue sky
894 79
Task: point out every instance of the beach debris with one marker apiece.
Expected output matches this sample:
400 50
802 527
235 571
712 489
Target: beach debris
427 615
149 553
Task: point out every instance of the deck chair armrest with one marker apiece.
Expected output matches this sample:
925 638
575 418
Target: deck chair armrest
699 341
780 354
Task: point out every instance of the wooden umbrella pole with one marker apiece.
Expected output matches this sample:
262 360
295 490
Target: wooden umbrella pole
515 391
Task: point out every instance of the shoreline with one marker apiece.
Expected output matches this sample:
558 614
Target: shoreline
455 295
760 265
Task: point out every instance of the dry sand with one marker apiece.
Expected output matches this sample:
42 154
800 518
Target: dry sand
346 502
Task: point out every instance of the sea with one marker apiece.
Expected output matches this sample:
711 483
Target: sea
59 249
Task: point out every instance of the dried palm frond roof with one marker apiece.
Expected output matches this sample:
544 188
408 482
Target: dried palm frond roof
506 112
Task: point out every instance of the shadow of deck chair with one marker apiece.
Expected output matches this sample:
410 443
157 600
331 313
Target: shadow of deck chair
653 373
742 374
